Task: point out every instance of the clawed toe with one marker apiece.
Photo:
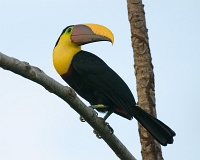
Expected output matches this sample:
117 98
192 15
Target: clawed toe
110 128
97 134
82 119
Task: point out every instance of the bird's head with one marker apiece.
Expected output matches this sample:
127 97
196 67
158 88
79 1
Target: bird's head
70 41
85 33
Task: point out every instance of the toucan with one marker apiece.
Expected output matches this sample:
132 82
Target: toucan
97 83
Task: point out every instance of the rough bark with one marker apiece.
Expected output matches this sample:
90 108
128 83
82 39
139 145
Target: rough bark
151 149
68 95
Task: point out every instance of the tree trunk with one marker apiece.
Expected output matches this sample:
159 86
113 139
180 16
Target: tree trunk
151 149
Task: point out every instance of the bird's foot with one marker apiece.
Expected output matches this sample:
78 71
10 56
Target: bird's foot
97 134
82 119
110 128
95 115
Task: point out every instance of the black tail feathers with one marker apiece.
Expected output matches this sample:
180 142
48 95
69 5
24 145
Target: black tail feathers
160 131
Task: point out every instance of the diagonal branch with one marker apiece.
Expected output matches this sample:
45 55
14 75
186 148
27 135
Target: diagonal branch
68 95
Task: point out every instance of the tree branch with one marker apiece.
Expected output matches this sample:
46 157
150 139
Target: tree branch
68 95
151 149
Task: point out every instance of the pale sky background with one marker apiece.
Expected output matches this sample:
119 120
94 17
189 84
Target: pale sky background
35 124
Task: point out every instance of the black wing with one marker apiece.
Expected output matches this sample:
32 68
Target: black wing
96 72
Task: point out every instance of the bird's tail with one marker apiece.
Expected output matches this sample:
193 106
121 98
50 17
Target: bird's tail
160 131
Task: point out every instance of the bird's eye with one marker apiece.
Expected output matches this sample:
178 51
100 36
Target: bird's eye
69 30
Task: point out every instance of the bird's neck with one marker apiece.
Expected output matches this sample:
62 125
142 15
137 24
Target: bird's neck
63 54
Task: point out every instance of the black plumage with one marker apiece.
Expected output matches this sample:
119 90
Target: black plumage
96 82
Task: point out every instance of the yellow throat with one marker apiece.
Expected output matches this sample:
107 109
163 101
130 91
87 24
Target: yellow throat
63 54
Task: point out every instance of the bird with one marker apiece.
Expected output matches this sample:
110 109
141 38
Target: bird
96 82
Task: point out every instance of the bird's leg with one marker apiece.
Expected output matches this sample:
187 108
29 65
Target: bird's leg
105 117
107 124
108 114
